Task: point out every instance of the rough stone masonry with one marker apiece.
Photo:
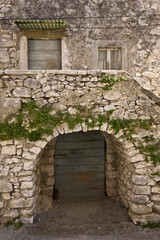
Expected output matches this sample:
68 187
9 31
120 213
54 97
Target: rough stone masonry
24 163
134 26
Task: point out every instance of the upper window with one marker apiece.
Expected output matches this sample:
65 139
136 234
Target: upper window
42 44
109 58
44 54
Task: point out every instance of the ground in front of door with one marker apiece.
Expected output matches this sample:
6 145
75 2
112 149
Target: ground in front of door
82 220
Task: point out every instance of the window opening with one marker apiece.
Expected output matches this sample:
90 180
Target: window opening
44 54
109 58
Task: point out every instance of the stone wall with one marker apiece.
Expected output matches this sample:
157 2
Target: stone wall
45 178
23 164
5 6
135 23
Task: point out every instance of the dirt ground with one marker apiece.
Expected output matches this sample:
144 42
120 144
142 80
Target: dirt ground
82 220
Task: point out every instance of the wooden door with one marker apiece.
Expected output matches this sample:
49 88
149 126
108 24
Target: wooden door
80 165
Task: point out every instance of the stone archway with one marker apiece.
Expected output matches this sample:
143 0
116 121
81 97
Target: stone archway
128 176
118 172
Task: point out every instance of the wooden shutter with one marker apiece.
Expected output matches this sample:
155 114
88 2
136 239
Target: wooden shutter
44 54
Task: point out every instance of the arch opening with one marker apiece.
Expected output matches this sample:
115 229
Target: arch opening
80 165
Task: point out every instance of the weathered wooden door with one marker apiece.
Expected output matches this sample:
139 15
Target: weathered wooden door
80 165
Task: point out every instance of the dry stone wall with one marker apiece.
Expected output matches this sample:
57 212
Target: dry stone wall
130 24
23 163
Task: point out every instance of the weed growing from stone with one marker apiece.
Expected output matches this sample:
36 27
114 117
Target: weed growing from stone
149 224
110 80
15 222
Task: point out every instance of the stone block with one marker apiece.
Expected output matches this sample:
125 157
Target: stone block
66 128
27 212
44 203
29 156
1 204
4 55
49 94
104 127
156 208
140 199
139 165
5 186
31 83
140 171
140 209
22 92
17 168
84 127
137 158
55 133
150 75
7 142
132 153
27 220
6 196
4 171
41 144
22 203
28 193
26 185
112 95
35 150
109 107
23 72
142 190
11 214
60 129
139 180
26 179
9 150
156 190
28 166
25 173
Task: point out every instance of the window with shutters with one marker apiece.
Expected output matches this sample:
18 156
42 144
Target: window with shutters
42 44
110 58
44 54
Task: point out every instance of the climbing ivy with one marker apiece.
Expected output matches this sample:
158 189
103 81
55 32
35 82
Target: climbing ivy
32 122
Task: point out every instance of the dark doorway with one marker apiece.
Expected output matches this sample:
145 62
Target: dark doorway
80 165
